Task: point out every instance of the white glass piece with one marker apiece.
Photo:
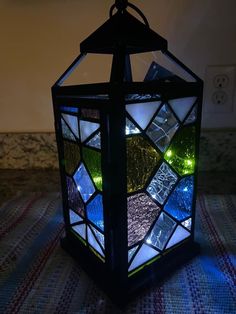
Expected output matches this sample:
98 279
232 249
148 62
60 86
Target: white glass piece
81 230
131 252
93 242
179 235
87 128
143 255
66 132
187 223
130 128
181 106
72 121
95 141
192 116
84 183
143 112
99 236
74 217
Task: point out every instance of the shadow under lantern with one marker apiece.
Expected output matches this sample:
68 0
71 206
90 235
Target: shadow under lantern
128 152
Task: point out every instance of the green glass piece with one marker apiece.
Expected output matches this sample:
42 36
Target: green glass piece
71 157
181 152
92 160
141 160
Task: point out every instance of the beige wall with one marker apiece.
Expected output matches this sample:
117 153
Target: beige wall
40 38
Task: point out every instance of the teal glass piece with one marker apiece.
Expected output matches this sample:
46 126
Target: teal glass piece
92 159
181 152
163 128
179 204
95 211
84 183
66 132
95 141
161 231
162 183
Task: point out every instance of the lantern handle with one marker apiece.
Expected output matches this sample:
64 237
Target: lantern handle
121 6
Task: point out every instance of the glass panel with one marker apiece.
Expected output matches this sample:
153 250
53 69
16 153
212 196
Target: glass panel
93 242
162 183
187 223
84 183
74 217
92 160
163 128
99 236
179 204
66 132
69 109
131 252
81 230
95 141
141 160
87 128
142 212
95 212
71 156
130 128
181 153
142 113
72 121
181 106
179 235
161 231
192 116
90 113
143 255
74 200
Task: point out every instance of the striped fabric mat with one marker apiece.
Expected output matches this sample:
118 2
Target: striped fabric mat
37 276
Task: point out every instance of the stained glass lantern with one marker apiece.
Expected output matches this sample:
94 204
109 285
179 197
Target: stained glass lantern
128 152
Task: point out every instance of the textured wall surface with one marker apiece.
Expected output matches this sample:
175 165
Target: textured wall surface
38 151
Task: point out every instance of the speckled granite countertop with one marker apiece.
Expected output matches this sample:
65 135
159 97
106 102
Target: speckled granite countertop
13 182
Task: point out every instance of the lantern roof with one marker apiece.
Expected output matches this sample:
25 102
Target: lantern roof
123 30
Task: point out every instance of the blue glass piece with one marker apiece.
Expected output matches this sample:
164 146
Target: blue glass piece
69 109
162 183
66 132
144 255
84 183
95 212
179 204
74 217
72 121
93 242
99 236
95 141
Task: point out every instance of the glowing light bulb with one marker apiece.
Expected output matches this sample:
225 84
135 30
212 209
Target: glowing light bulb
149 241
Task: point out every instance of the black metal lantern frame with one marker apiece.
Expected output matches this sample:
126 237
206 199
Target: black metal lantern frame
128 155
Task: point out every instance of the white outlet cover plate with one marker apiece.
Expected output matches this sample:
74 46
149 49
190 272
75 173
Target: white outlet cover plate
222 115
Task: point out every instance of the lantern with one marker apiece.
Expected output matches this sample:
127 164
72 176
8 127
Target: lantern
128 152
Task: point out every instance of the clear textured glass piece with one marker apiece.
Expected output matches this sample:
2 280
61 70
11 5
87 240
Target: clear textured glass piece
142 212
71 156
92 159
162 183
163 128
95 141
192 116
81 230
84 183
161 231
74 200
90 113
142 113
69 109
179 204
131 252
74 217
144 255
93 242
181 152
142 158
72 121
181 106
130 128
87 128
95 211
99 236
187 223
179 235
66 132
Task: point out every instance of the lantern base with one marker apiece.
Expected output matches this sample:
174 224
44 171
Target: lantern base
150 276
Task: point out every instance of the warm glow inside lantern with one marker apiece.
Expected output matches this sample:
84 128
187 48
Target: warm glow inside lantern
128 152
